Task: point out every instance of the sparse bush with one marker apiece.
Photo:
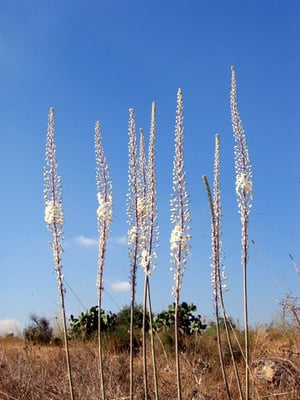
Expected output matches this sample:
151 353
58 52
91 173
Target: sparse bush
122 327
39 331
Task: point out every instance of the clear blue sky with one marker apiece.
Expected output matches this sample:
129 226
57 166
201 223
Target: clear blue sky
93 60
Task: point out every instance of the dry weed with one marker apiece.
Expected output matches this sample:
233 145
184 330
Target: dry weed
39 372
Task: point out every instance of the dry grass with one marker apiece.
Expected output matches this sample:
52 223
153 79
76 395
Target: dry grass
39 372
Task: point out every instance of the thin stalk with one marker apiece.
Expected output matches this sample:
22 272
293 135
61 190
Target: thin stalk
99 293
132 309
177 358
66 342
132 304
245 291
145 371
153 353
236 372
100 351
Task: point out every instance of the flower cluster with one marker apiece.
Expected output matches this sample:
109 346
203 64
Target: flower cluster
243 168
180 212
54 213
104 210
243 184
132 198
53 216
218 273
151 228
105 202
141 198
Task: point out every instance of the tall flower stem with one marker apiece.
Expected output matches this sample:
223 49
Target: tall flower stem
215 276
149 238
153 233
180 218
54 219
243 171
143 212
104 219
133 232
215 212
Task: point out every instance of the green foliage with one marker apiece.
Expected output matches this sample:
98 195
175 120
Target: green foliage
123 317
189 323
85 326
116 326
122 333
167 340
39 331
212 329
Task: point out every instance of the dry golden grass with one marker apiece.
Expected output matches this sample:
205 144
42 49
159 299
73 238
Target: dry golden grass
39 372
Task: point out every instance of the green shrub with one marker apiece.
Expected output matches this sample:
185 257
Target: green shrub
85 326
189 323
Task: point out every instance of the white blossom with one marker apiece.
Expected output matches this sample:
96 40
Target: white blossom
54 213
132 235
243 184
176 236
104 210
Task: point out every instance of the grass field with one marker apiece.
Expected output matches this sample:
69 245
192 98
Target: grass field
39 372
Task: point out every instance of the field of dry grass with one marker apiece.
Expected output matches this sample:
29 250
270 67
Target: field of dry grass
39 372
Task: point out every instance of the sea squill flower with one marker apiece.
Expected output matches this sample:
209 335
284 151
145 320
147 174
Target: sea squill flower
105 202
243 167
104 220
54 219
53 216
180 212
153 227
244 191
180 219
133 214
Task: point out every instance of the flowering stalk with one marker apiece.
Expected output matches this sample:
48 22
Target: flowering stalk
133 206
149 236
54 219
218 275
104 220
217 254
215 212
143 215
180 219
153 231
243 170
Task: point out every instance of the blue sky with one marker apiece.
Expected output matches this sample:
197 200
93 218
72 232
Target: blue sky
96 61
